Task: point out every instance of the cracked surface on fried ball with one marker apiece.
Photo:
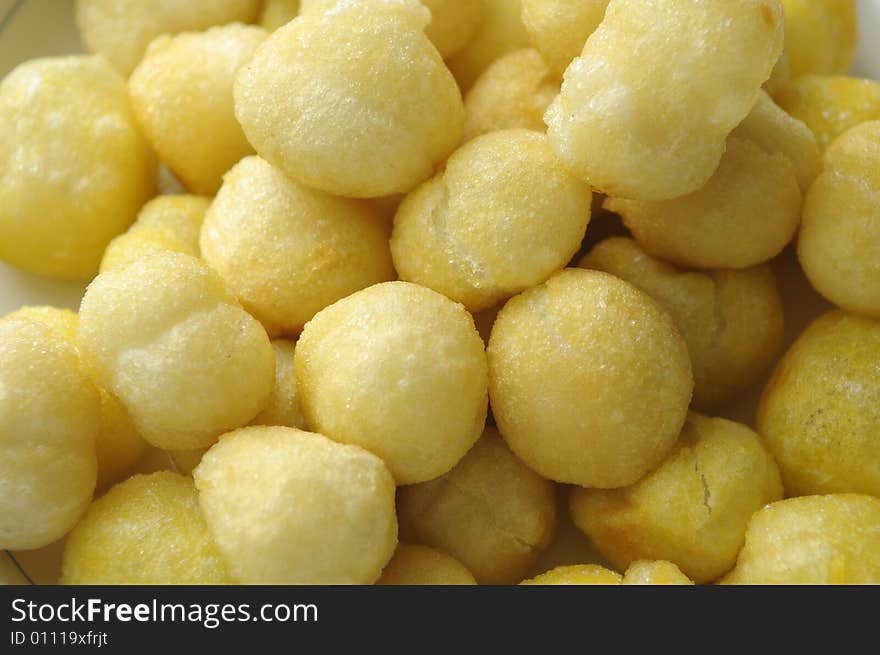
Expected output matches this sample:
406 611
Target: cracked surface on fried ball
560 28
420 565
820 35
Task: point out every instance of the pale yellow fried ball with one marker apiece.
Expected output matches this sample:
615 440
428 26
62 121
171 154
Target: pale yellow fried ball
166 337
74 170
577 574
732 321
560 28
502 217
513 92
420 565
49 418
288 251
839 243
815 540
646 109
693 509
397 369
589 379
491 512
276 13
820 412
820 35
354 101
284 406
121 30
292 507
643 572
453 23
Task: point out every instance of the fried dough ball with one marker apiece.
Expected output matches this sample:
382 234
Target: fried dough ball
397 369
820 35
49 418
146 530
276 13
839 244
639 573
420 565
74 170
491 512
820 412
502 217
560 28
812 540
354 101
590 341
292 507
732 321
453 23
646 109
693 509
643 572
166 337
288 251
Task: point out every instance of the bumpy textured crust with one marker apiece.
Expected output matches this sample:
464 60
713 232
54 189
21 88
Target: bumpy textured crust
819 413
645 110
502 217
820 35
640 573
399 370
560 28
146 530
74 170
292 507
586 339
491 512
420 565
276 13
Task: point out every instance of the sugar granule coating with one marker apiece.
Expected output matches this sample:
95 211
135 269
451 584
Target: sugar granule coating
420 565
577 574
288 251
502 217
839 243
491 512
588 340
49 418
275 13
74 170
397 369
181 93
820 412
293 507
284 406
354 101
821 36
643 572
732 321
121 30
812 540
166 337
693 509
646 109
560 28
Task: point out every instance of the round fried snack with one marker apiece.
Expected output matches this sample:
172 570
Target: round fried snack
693 509
820 35
560 28
643 572
121 30
491 512
577 574
819 413
732 321
420 565
646 109
590 341
276 13
284 406
502 217
454 23
74 170
354 101
292 507
181 93
49 418
146 530
399 370
166 337
288 251
839 244
814 540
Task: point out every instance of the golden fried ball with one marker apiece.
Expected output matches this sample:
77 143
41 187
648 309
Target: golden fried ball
812 540
578 574
276 13
839 244
491 512
646 109
146 530
420 565
288 251
399 370
732 321
292 507
284 406
820 412
502 217
589 341
166 337
643 572
560 28
74 170
820 35
49 418
354 101
693 509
